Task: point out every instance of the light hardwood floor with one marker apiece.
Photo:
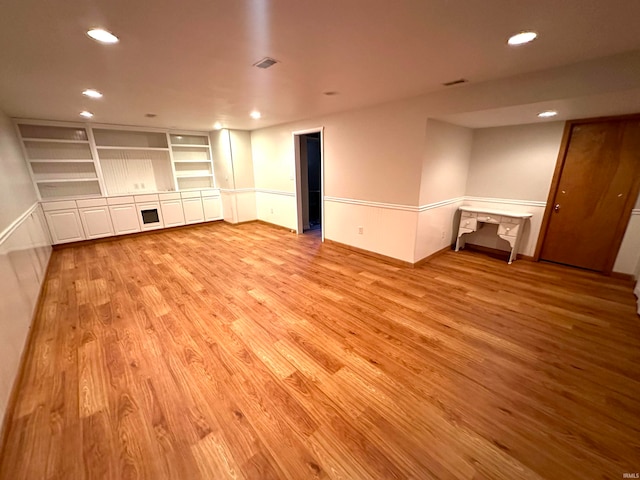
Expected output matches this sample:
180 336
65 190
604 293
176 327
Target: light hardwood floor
248 352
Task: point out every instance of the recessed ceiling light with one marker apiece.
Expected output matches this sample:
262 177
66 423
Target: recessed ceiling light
255 115
217 126
102 36
522 37
90 92
547 114
86 114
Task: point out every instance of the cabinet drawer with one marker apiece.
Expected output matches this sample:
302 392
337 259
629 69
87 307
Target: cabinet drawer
510 220
468 222
210 192
92 202
194 194
469 214
509 229
488 218
64 205
152 197
169 196
120 200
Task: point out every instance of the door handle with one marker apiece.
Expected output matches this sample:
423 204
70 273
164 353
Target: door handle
556 208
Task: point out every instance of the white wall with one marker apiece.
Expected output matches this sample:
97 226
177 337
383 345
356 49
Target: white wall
16 190
233 169
372 161
24 254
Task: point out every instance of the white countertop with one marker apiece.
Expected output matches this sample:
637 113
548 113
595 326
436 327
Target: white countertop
504 213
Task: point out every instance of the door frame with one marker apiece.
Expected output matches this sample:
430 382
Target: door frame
298 177
555 183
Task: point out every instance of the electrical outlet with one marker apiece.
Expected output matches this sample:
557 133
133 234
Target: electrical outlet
360 230
272 211
142 186
136 186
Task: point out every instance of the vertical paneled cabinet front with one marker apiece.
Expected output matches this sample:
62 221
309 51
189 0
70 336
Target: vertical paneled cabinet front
171 205
192 206
212 208
95 217
124 215
64 221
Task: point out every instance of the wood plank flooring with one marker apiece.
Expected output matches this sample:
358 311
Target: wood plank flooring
250 353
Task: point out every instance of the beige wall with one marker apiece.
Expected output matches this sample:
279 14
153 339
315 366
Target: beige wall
242 159
221 151
445 164
372 154
16 190
515 162
445 161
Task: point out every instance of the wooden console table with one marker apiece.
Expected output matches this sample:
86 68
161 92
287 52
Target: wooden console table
510 225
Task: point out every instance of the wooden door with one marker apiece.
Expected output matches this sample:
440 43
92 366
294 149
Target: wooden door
596 190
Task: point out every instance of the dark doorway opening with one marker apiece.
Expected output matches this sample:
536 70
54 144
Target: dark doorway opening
311 176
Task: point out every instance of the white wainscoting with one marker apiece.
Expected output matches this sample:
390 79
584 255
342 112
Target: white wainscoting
277 207
628 259
25 249
436 227
387 229
238 205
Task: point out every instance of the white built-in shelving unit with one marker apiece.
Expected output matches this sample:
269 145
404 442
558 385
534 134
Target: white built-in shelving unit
192 161
69 160
61 161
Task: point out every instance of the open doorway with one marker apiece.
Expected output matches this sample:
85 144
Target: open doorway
309 181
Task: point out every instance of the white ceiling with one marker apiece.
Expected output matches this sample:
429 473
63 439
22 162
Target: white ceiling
190 62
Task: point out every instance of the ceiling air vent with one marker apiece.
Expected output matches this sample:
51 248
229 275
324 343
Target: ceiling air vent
455 82
266 62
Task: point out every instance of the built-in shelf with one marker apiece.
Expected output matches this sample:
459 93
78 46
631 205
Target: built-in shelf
188 145
61 160
54 140
197 175
192 161
67 180
113 147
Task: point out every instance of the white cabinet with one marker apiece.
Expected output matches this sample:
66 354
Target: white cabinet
172 213
212 208
65 226
124 218
193 212
96 221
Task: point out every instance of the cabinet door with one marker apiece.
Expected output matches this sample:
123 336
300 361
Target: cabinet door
96 222
193 210
212 208
65 226
125 219
172 213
